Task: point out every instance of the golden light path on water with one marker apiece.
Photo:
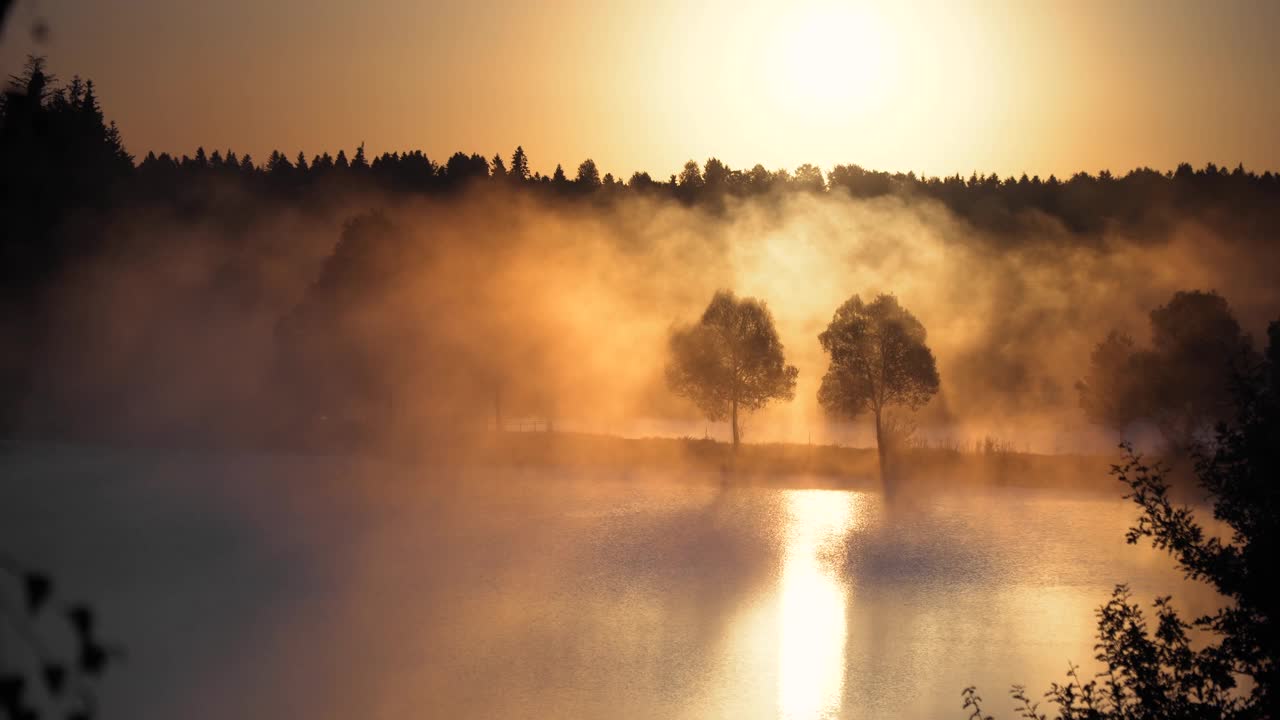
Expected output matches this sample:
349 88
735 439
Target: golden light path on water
812 603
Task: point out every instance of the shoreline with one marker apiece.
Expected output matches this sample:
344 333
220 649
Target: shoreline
701 461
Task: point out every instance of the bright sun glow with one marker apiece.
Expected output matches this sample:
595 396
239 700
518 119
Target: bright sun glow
832 61
813 602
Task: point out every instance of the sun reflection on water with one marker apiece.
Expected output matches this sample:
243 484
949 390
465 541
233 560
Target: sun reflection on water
812 605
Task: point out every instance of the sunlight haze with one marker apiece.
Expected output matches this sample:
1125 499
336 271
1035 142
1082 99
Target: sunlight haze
621 360
936 88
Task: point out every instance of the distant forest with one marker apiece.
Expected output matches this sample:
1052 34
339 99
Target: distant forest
69 190
60 155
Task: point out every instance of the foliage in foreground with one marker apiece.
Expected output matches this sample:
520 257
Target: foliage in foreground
1163 671
36 679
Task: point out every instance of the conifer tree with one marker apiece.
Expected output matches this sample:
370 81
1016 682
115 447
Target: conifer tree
519 165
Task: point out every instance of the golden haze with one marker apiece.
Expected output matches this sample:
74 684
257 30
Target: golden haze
933 87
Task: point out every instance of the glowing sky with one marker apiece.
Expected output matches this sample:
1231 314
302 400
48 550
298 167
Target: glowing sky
933 87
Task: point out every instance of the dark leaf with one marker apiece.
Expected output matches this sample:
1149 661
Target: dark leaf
55 677
38 589
82 620
11 690
93 658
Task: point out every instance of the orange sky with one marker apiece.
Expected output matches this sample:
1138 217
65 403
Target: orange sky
933 87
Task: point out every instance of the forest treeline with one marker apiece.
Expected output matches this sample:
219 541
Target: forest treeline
1084 203
59 155
217 292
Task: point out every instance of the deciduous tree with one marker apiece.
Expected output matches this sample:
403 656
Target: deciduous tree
879 359
731 360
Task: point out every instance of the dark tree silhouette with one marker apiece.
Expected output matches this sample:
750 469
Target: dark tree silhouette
640 181
279 169
1199 347
519 165
588 175
1167 673
59 159
731 360
809 178
878 359
691 176
333 359
36 681
690 183
716 176
1183 383
1113 393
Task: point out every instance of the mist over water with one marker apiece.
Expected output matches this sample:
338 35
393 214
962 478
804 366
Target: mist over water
278 586
564 309
382 435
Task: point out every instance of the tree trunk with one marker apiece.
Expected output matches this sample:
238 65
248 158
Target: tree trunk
734 422
880 449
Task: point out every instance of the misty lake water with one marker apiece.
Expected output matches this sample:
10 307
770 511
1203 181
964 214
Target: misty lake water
256 587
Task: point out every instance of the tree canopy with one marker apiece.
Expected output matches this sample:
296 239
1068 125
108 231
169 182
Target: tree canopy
731 360
1182 383
879 358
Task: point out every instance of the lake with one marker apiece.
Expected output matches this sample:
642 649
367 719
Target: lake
267 587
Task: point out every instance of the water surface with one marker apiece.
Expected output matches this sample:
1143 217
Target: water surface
268 587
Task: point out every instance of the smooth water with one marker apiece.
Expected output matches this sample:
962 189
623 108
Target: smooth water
257 587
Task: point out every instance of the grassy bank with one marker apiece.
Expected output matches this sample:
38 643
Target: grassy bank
696 460
792 465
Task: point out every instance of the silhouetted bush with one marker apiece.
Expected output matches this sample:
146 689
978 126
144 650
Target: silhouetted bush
1183 383
38 680
1162 671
